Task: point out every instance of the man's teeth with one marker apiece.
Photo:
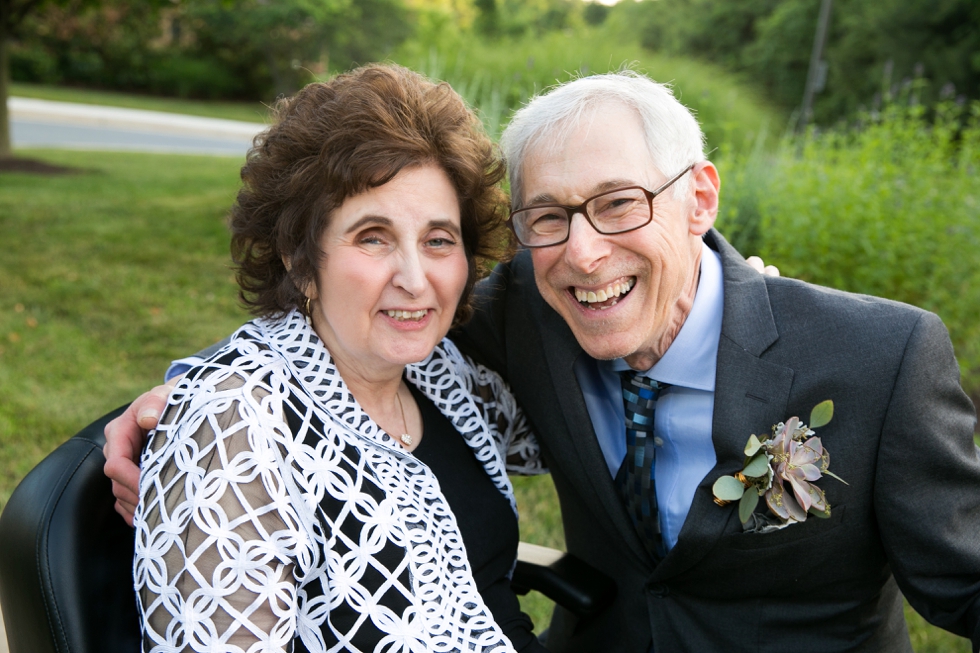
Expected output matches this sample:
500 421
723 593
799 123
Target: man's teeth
401 316
609 292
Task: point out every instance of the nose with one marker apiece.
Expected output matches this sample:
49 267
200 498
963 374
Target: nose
585 248
410 273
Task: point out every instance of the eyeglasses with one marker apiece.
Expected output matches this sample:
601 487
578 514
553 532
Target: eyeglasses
613 212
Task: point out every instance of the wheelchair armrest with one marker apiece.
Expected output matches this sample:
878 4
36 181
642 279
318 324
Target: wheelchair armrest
567 580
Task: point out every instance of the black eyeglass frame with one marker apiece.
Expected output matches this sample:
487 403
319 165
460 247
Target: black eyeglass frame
581 208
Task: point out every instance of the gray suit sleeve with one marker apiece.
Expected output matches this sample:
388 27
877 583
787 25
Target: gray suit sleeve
927 487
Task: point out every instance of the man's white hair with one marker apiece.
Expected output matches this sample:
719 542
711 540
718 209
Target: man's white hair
672 134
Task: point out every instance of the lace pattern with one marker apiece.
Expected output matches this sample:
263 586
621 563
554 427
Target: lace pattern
274 513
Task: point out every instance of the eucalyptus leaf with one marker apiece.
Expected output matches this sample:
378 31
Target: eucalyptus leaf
728 488
752 446
750 499
757 467
821 414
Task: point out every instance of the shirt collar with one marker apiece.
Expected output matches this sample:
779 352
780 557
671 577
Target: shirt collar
692 359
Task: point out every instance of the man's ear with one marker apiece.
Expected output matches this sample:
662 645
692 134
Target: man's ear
706 184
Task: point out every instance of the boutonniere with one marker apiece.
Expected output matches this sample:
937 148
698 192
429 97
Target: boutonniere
783 469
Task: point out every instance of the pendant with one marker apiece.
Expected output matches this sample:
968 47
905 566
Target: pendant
406 439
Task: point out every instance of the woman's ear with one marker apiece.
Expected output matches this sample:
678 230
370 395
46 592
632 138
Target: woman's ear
308 290
706 186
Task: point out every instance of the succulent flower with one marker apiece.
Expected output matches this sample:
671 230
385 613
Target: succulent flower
784 469
798 463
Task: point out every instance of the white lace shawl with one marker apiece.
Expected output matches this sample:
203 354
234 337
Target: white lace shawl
274 513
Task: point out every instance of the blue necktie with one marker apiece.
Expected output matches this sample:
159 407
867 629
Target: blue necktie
635 479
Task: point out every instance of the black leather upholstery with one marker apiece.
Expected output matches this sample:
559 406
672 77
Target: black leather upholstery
66 557
564 578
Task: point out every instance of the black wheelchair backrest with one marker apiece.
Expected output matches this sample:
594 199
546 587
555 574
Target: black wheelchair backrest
66 557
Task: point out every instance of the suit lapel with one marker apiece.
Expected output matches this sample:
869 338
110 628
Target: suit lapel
751 395
580 456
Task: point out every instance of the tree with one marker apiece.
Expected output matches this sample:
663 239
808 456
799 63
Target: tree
268 43
12 15
871 44
211 49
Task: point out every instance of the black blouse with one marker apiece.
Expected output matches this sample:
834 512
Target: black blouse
486 521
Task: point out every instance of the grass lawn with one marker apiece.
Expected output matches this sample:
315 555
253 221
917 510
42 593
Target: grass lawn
111 273
246 111
108 274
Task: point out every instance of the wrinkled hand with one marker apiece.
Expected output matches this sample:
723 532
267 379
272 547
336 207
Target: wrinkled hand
124 440
762 268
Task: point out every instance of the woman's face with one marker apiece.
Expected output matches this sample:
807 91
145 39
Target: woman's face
392 273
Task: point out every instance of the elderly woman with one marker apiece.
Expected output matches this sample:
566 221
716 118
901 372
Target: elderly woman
335 477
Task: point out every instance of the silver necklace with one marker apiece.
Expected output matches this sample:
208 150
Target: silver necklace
404 437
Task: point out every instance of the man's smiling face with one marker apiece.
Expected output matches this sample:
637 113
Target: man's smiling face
648 276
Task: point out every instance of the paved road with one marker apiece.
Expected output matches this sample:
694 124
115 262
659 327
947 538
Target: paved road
62 125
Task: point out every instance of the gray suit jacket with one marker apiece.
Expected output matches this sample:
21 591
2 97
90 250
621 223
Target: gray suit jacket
901 437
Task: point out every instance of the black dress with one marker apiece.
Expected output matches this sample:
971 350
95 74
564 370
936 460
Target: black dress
486 521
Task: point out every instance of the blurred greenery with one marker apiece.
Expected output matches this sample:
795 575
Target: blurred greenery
214 49
536 45
873 48
885 207
254 49
497 76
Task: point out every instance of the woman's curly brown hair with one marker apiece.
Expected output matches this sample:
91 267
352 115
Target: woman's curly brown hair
337 139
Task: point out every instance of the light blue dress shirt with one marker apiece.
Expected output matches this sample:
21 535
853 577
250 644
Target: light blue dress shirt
182 366
684 410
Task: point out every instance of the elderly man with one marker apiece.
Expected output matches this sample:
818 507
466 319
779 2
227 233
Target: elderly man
628 325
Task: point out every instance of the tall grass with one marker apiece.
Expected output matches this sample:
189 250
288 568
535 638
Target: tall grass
886 207
497 76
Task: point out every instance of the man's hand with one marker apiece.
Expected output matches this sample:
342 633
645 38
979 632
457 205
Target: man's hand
762 268
124 440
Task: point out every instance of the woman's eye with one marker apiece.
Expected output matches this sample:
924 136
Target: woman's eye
371 238
440 242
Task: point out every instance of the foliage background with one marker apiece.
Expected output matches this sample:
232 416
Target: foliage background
885 206
874 47
257 49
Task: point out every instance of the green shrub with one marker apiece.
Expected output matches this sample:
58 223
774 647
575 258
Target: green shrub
178 75
248 49
33 63
888 207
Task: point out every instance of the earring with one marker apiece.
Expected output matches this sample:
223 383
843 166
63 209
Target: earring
306 306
